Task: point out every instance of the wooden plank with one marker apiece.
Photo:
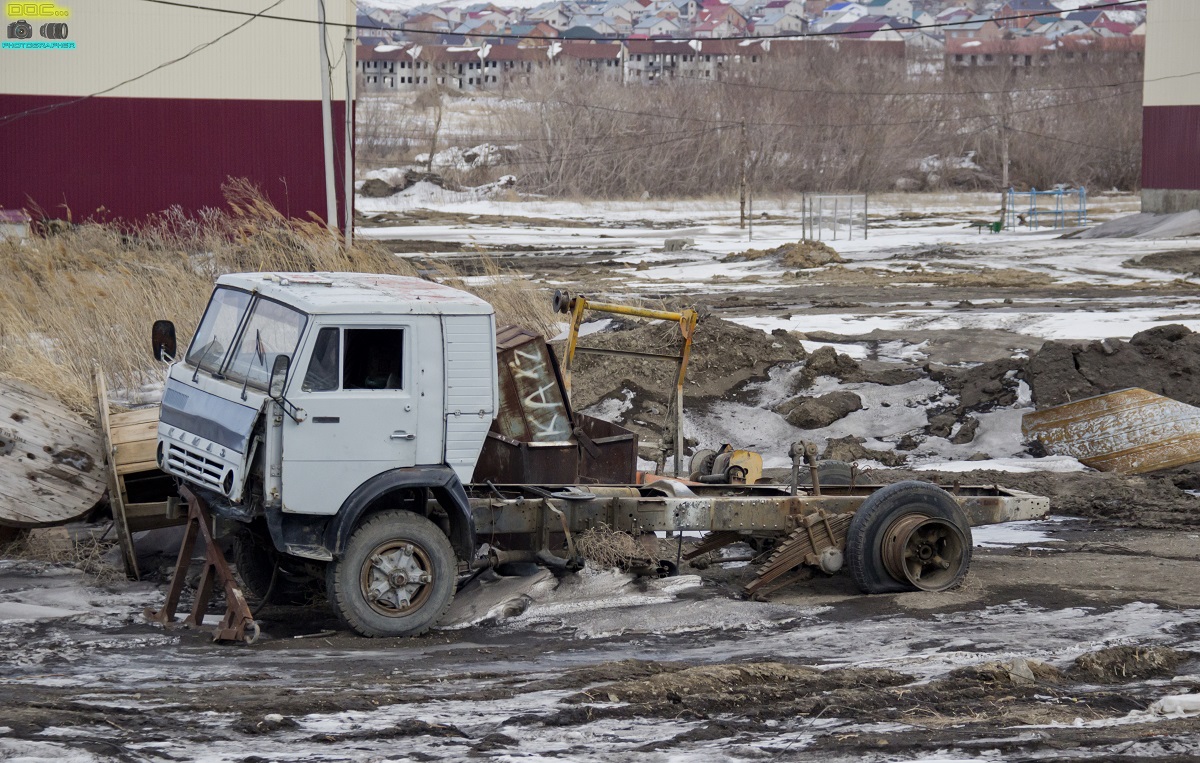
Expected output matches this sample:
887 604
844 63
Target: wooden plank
134 433
135 453
1132 431
150 516
51 460
131 418
116 495
137 466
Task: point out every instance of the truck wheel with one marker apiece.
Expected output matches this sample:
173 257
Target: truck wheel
396 577
908 536
255 557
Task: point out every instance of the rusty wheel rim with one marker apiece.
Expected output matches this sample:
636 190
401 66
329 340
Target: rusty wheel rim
396 578
924 551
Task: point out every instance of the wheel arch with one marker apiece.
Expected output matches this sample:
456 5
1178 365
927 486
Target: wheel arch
368 498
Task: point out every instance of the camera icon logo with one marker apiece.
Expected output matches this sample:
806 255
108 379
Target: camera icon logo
20 30
54 31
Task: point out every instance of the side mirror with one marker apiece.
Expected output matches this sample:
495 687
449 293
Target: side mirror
162 340
279 372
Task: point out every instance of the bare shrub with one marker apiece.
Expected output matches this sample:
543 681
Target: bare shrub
826 120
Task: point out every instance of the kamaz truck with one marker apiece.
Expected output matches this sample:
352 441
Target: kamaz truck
380 432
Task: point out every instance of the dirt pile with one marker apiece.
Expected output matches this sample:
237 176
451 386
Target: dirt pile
801 255
819 412
724 356
1019 671
709 688
1121 664
1164 359
1146 501
1181 261
850 448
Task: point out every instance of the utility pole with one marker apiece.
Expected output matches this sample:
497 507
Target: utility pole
348 128
326 121
745 162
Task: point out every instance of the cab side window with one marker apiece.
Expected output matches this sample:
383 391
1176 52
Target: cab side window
322 375
373 359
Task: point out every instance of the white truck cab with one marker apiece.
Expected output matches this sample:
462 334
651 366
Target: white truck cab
307 401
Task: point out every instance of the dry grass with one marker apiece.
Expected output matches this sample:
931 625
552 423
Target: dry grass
610 549
54 546
88 295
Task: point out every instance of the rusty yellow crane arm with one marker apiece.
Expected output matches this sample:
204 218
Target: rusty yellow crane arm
575 305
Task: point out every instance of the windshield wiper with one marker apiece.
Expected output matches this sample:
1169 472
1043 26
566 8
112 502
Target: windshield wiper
203 357
260 353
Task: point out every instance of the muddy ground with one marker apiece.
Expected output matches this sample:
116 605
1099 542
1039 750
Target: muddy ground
599 667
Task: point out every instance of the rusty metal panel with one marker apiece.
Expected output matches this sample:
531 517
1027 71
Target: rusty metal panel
608 452
1132 431
504 460
532 406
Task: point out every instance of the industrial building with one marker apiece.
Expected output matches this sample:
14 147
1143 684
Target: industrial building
1171 108
119 109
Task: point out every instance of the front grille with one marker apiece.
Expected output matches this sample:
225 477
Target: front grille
195 466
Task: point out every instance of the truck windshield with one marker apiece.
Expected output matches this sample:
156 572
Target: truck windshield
273 329
217 328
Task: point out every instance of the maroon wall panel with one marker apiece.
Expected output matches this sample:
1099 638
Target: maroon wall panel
126 158
1171 147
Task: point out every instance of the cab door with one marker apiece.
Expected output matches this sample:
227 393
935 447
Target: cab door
366 398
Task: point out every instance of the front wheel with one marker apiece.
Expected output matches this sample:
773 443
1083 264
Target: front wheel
396 577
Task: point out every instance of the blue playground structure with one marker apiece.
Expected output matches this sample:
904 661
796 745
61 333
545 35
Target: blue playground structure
1050 209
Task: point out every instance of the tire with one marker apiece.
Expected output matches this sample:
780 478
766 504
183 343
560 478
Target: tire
411 545
868 541
835 474
255 557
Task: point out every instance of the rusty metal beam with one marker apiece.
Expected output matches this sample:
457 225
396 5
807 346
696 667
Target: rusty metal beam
1132 431
756 510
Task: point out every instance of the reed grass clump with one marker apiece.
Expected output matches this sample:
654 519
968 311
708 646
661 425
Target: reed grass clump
85 296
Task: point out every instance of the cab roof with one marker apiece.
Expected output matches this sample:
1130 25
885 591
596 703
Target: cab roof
359 293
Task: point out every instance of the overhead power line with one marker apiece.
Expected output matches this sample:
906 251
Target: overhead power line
626 38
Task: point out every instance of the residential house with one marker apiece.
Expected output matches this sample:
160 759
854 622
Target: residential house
537 30
974 28
602 59
653 26
551 13
838 13
900 9
878 28
1020 14
779 22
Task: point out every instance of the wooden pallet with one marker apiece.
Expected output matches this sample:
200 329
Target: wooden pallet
130 442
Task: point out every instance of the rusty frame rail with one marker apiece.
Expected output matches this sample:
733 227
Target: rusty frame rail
673 506
576 305
238 622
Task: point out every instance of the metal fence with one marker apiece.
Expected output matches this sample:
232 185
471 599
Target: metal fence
834 216
1046 209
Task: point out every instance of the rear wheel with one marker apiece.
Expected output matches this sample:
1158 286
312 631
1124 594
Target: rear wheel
396 577
908 536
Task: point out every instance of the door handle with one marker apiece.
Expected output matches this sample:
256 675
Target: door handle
400 434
